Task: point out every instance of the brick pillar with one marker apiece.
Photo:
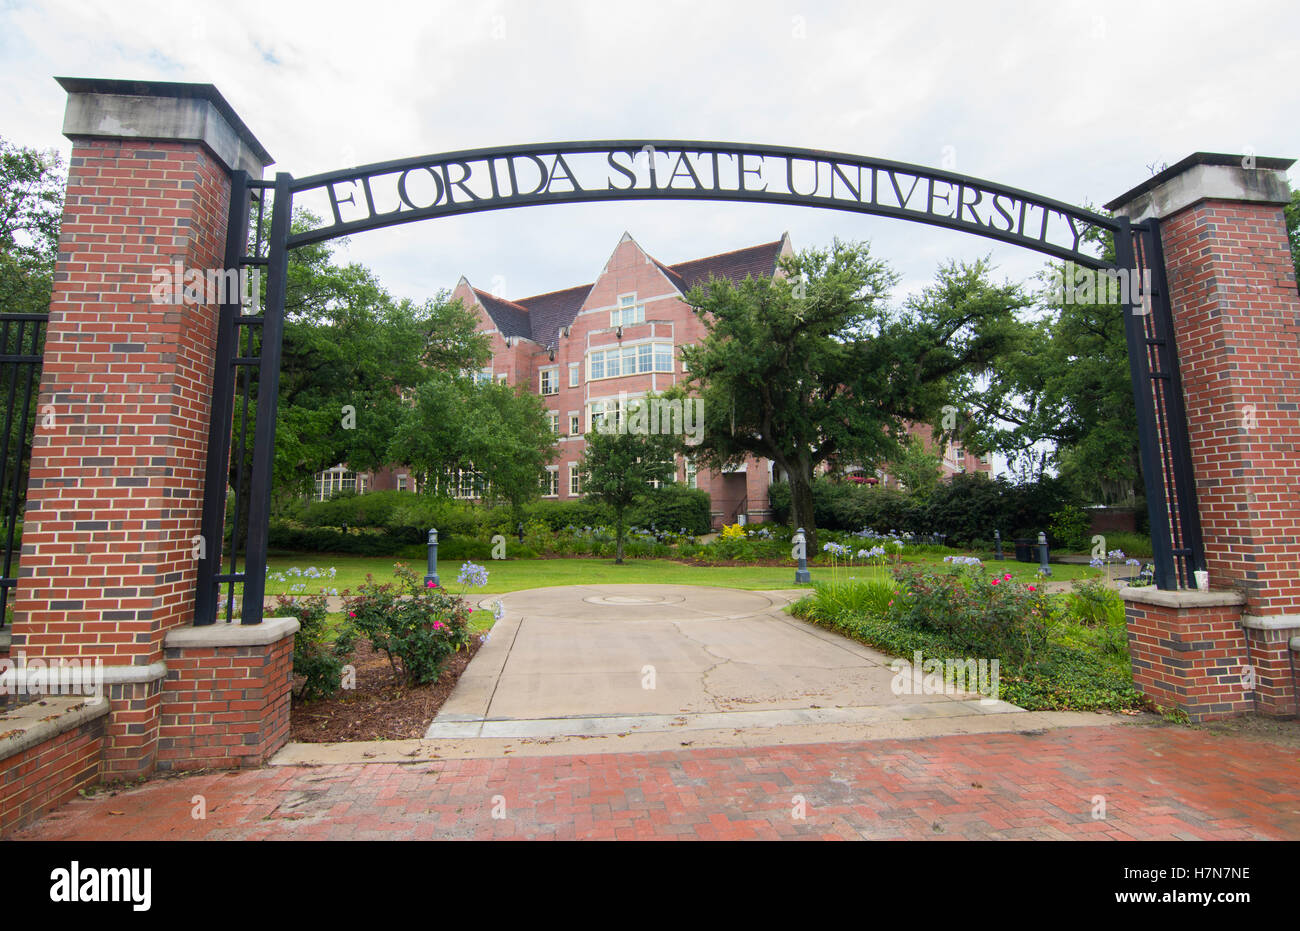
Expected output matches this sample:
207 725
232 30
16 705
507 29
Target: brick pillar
117 469
1237 323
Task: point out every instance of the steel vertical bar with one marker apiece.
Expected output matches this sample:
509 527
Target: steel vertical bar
1189 513
223 399
268 392
1144 402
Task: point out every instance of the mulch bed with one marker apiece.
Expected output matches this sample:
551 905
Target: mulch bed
381 707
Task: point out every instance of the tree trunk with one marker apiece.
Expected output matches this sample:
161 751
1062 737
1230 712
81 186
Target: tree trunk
801 506
618 537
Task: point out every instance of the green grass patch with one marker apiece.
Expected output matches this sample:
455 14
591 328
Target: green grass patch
509 575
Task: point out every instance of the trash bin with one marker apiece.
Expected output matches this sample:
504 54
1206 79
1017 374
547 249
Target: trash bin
1026 550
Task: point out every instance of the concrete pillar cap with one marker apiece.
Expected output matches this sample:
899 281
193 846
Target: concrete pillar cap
1206 176
162 111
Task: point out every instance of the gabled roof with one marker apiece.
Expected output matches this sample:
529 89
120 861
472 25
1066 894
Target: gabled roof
539 318
511 318
756 261
549 312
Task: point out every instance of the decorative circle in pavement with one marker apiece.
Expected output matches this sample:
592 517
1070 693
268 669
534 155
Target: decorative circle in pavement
622 601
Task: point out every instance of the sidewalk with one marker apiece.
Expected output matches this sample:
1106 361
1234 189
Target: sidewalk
1154 783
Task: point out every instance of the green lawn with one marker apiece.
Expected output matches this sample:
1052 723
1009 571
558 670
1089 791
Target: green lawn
515 574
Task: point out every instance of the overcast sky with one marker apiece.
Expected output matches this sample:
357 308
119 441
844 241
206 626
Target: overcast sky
1070 100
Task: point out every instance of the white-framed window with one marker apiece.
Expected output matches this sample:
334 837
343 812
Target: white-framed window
551 482
465 483
550 380
692 473
401 482
575 480
575 374
501 378
338 480
627 312
575 423
634 359
483 377
553 417
598 411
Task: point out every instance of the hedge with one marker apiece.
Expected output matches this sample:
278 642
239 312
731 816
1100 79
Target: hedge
967 508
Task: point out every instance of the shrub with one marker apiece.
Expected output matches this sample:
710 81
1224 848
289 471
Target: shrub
366 541
964 508
316 658
560 514
1093 603
1132 544
1069 528
990 616
420 626
732 532
451 518
673 507
778 501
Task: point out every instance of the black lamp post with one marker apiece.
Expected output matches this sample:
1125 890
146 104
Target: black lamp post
432 574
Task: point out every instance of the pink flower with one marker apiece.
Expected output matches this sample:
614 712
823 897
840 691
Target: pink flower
1007 577
352 614
438 625
431 584
1032 589
995 581
469 610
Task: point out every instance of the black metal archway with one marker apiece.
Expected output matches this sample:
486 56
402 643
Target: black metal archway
390 193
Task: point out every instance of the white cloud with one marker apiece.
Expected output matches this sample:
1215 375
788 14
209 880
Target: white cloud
1071 100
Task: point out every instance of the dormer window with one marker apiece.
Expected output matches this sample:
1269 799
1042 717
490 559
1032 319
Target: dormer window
628 312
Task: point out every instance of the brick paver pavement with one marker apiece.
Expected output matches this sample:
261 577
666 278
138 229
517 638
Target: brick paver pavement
1156 782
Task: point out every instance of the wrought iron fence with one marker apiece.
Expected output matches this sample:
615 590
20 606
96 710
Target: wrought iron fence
236 497
22 348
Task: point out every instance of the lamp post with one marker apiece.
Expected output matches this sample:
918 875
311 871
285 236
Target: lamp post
1043 567
432 574
801 574
997 540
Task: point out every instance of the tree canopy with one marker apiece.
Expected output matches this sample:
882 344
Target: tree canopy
498 432
817 363
352 356
1062 395
618 466
31 209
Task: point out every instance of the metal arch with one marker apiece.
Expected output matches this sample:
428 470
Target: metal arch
377 195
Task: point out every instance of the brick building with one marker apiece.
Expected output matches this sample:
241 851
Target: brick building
590 348
587 350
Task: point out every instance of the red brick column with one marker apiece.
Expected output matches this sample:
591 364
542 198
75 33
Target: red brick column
225 703
1237 323
117 470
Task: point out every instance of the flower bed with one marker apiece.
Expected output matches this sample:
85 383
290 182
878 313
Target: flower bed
1061 652
341 683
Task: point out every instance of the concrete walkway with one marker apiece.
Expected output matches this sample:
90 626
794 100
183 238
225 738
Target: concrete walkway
613 659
